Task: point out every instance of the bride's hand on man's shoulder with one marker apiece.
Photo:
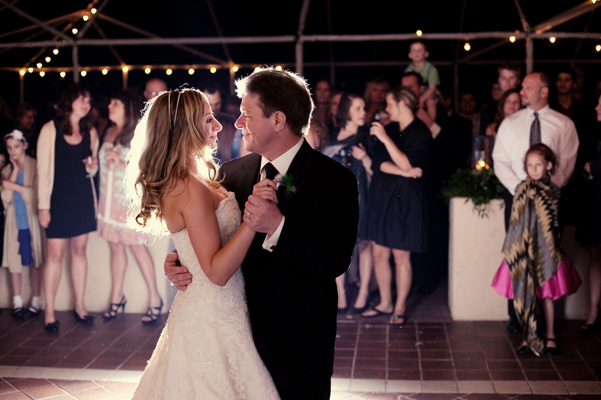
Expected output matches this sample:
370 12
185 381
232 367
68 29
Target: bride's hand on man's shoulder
178 275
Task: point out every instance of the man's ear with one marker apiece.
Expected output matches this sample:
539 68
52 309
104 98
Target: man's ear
279 120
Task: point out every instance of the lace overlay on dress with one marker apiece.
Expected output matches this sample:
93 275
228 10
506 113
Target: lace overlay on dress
206 349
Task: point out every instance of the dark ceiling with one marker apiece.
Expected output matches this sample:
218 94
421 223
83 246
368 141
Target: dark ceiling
361 60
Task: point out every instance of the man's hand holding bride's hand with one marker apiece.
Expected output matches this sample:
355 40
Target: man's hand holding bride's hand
261 212
179 275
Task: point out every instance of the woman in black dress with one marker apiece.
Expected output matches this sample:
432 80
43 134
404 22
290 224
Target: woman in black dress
589 229
350 144
398 204
67 158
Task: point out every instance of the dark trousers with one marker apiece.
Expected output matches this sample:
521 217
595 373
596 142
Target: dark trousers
508 198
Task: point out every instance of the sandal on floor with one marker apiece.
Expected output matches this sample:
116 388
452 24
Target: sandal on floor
550 351
153 313
374 312
114 309
397 320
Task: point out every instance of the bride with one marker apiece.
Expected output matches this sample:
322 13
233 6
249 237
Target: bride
206 349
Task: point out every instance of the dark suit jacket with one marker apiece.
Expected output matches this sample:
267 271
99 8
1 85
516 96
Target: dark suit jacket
291 292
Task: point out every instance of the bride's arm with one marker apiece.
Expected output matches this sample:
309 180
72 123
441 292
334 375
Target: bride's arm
218 263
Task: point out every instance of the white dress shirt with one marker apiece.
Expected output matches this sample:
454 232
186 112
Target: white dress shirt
282 163
513 140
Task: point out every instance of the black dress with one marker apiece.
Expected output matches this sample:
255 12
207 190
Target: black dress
398 209
588 232
341 151
72 200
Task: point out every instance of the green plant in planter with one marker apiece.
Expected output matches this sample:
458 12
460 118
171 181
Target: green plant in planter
478 186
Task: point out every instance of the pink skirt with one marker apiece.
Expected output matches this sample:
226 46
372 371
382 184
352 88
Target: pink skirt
566 281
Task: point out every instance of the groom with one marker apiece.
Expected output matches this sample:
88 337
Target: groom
306 240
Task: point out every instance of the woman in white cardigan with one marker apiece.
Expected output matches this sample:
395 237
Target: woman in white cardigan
67 159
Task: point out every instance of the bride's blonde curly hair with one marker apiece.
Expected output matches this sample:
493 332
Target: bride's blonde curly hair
170 135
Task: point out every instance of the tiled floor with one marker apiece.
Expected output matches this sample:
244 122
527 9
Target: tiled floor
431 357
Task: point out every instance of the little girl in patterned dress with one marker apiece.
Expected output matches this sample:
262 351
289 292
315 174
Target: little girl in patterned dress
534 264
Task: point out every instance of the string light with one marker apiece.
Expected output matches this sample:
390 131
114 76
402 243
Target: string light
213 70
191 71
39 65
235 68
552 39
48 59
467 46
278 68
86 17
168 71
419 32
42 74
55 52
105 71
74 30
125 68
30 70
83 73
512 39
147 70
93 10
22 72
598 47
63 74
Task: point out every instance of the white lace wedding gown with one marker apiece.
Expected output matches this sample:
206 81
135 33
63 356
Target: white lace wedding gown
206 350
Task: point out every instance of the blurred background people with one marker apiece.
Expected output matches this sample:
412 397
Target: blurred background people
398 201
23 240
124 113
350 144
66 160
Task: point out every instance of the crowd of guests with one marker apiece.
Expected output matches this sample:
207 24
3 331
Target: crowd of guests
401 139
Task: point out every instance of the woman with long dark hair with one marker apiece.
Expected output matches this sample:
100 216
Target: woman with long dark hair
66 161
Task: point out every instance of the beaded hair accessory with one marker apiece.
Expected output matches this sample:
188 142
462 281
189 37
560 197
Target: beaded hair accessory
17 135
171 125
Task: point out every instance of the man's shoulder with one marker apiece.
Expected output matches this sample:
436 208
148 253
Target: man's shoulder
238 164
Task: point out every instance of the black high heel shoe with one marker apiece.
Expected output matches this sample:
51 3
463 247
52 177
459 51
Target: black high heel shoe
153 313
52 327
550 351
114 309
87 320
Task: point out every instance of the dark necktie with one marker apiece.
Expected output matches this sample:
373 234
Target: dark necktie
535 130
270 171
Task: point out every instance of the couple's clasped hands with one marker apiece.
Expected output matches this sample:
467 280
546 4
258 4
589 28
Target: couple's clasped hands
261 214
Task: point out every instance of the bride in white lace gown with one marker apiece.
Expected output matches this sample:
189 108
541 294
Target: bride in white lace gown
206 349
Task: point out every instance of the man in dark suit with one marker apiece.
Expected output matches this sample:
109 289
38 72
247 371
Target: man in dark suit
307 238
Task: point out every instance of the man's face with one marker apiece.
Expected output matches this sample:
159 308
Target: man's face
533 93
258 133
508 80
564 83
410 81
467 103
215 101
153 88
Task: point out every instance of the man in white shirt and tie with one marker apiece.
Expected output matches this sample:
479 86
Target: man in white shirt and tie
519 131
